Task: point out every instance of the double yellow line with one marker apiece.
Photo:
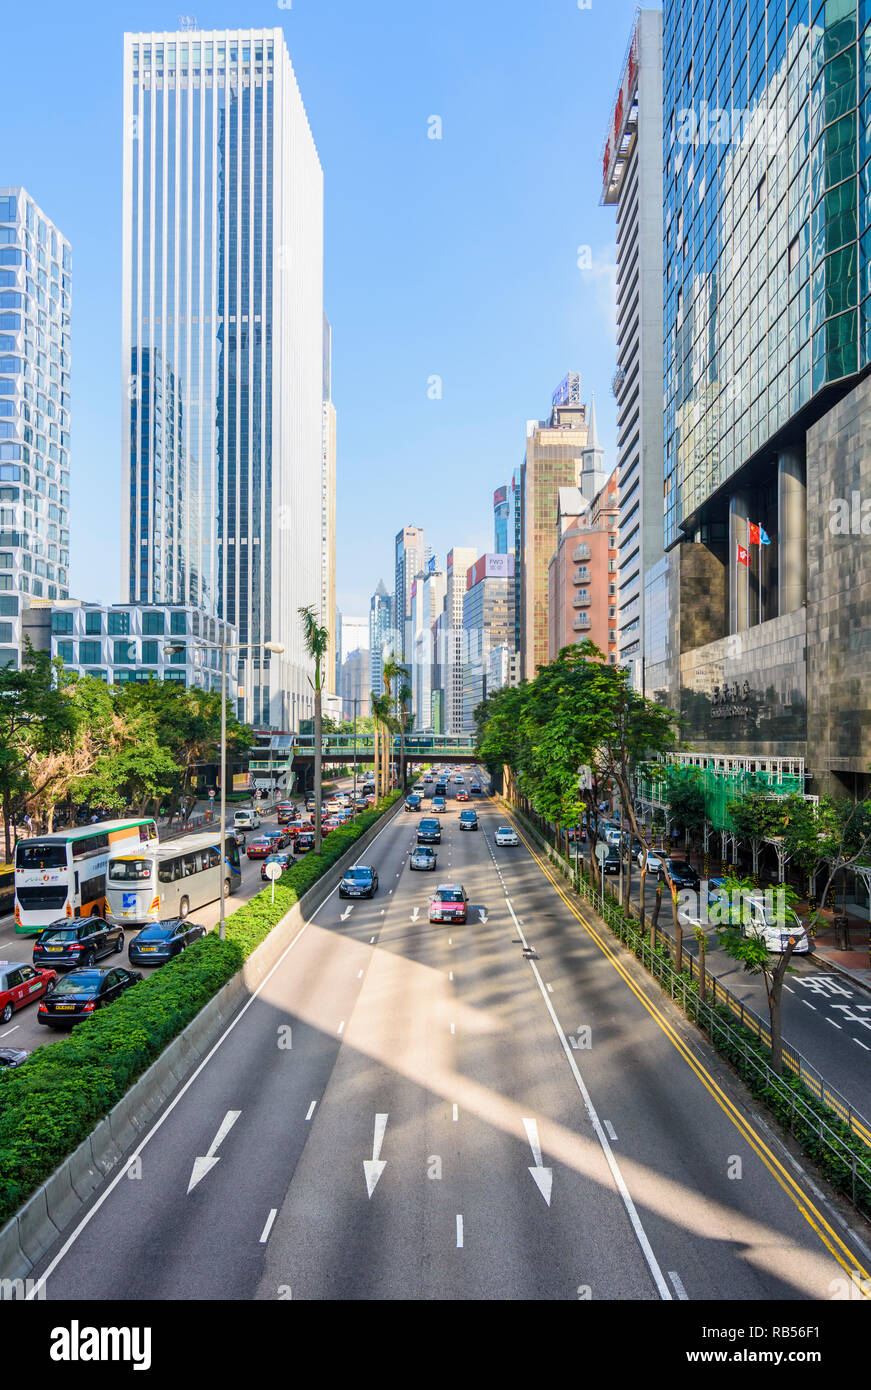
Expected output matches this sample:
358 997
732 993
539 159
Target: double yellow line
832 1241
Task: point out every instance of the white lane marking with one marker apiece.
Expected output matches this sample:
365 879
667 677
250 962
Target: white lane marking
9 1030
268 1227
373 1167
459 1232
311 1110
359 974
810 1006
450 974
789 991
640 1233
204 1165
861 1044
834 1024
543 1177
550 989
341 1026
371 941
382 912
612 1133
678 1286
456 1111
450 941
452 1028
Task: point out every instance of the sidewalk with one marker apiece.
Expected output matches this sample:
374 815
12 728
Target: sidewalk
854 964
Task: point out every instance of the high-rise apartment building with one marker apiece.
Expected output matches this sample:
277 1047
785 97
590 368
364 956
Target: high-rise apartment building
453 652
583 579
380 626
431 588
35 293
554 449
409 560
761 602
488 620
223 347
328 516
632 175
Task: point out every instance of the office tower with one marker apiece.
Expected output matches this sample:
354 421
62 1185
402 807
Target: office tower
762 598
380 625
632 176
338 651
355 683
583 578
553 460
328 515
488 621
409 551
454 654
35 290
355 636
223 347
501 517
427 605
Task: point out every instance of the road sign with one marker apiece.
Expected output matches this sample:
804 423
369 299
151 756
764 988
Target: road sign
601 851
273 871
211 793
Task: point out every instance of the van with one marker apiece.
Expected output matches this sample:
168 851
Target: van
246 820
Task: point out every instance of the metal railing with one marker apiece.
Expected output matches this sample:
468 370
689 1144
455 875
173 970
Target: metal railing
847 1170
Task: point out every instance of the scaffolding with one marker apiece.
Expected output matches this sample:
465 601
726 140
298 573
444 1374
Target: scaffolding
722 779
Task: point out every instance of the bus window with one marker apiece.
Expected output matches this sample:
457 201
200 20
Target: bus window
35 856
93 890
214 857
7 889
190 865
169 870
233 853
129 870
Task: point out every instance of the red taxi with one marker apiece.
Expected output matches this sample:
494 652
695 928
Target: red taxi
20 984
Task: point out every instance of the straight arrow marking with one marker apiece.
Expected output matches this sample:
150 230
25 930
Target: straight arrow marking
543 1177
202 1166
373 1167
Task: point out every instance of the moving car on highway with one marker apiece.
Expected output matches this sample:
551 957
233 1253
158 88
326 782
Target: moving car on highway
469 820
160 941
82 992
505 835
259 848
429 831
423 857
412 801
246 820
439 803
359 882
449 903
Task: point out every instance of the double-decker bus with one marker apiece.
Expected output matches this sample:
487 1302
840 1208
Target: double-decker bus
172 880
64 874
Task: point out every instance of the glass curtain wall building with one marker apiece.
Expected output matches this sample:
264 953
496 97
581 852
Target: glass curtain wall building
35 291
767 240
222 301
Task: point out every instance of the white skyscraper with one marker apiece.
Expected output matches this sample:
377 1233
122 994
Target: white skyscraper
223 347
460 560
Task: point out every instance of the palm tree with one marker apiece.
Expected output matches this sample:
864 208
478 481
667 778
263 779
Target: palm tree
373 702
381 711
403 700
391 671
316 639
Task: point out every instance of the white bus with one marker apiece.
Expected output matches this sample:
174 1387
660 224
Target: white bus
172 880
64 874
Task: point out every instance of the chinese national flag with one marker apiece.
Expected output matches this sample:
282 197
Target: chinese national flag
754 533
743 556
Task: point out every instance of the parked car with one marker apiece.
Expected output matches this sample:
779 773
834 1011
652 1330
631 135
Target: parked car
21 984
282 857
611 863
756 916
12 1057
683 875
469 820
160 941
506 835
70 942
82 992
359 882
423 857
449 903
654 862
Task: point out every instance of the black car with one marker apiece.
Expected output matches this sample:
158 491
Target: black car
429 831
683 875
440 789
412 801
468 820
611 862
76 942
12 1057
81 993
282 857
359 882
161 941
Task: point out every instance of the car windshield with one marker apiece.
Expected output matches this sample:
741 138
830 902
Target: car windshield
361 874
505 830
158 930
59 934
429 825
37 856
80 982
129 870
450 895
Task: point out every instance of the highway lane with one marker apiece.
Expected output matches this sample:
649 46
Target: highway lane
456 1062
825 1017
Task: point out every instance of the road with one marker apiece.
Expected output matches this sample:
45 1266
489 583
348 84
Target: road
825 1017
451 1117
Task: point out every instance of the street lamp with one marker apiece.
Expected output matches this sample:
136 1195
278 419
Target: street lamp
223 647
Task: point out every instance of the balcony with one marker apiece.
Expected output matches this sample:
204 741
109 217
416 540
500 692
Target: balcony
582 622
581 601
581 552
581 575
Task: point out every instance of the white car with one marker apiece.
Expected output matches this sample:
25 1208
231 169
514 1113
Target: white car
246 820
654 861
506 836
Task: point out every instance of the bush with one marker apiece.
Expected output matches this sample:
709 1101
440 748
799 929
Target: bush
51 1104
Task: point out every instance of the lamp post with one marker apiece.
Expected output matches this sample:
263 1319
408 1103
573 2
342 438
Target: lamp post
223 647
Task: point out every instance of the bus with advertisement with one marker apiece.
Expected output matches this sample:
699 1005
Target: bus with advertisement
172 880
64 874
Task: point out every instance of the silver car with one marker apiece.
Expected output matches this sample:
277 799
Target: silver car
424 857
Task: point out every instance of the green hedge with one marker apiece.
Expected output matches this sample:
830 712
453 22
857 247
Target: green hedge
51 1104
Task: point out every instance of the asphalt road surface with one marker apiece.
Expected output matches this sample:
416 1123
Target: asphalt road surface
406 1110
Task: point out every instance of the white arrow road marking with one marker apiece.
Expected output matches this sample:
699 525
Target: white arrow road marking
415 913
373 1167
346 914
482 913
202 1166
543 1176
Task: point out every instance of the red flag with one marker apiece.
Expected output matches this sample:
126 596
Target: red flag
754 533
743 556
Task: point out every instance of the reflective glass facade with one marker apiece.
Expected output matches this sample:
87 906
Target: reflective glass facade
223 241
35 291
767 201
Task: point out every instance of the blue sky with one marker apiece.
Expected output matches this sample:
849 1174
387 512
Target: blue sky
455 258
